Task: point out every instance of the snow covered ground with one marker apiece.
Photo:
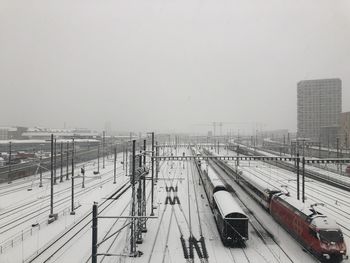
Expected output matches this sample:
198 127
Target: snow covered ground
69 238
24 214
326 174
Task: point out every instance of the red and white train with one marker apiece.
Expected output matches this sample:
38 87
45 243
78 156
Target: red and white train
315 231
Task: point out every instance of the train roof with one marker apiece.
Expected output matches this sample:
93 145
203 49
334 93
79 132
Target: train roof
257 182
227 204
215 179
318 219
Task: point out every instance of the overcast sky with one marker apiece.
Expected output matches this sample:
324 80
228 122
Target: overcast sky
166 65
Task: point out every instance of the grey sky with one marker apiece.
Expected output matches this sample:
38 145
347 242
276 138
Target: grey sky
166 65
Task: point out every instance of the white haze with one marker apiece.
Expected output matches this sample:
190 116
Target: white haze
166 65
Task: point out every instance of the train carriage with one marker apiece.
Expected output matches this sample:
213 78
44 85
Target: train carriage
231 221
259 190
212 184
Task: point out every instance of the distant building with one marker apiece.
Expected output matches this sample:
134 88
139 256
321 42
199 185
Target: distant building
108 128
278 135
2 162
39 133
12 133
319 107
4 133
344 130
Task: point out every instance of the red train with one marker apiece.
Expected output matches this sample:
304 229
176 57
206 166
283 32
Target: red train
318 233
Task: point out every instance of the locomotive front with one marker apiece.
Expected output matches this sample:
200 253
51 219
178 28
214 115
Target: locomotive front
331 246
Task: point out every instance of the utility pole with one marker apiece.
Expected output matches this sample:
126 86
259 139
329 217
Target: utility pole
338 153
303 183
67 173
82 170
94 233
123 157
298 176
41 171
103 150
144 227
126 159
98 158
132 228
51 185
10 163
157 161
115 165
139 205
152 163
72 177
55 161
61 174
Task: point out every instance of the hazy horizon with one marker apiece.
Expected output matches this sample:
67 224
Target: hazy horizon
167 66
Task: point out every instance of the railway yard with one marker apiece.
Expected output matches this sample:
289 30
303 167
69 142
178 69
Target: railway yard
182 227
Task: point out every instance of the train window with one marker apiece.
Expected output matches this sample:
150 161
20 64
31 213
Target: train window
331 236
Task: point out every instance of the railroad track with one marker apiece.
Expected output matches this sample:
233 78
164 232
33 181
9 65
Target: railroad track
32 181
9 225
56 245
30 204
308 173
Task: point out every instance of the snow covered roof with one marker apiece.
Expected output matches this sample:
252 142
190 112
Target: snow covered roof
227 204
215 180
323 222
46 141
263 186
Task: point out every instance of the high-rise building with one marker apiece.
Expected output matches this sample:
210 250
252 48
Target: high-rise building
344 131
319 108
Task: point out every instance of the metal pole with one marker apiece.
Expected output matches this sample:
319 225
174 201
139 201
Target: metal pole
41 172
115 165
10 163
103 150
144 227
94 232
98 158
83 172
72 177
132 228
152 185
298 176
338 153
67 172
139 206
123 157
303 186
51 186
55 162
126 159
61 174
157 162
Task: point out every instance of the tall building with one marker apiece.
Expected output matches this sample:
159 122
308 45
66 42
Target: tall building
344 131
319 108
